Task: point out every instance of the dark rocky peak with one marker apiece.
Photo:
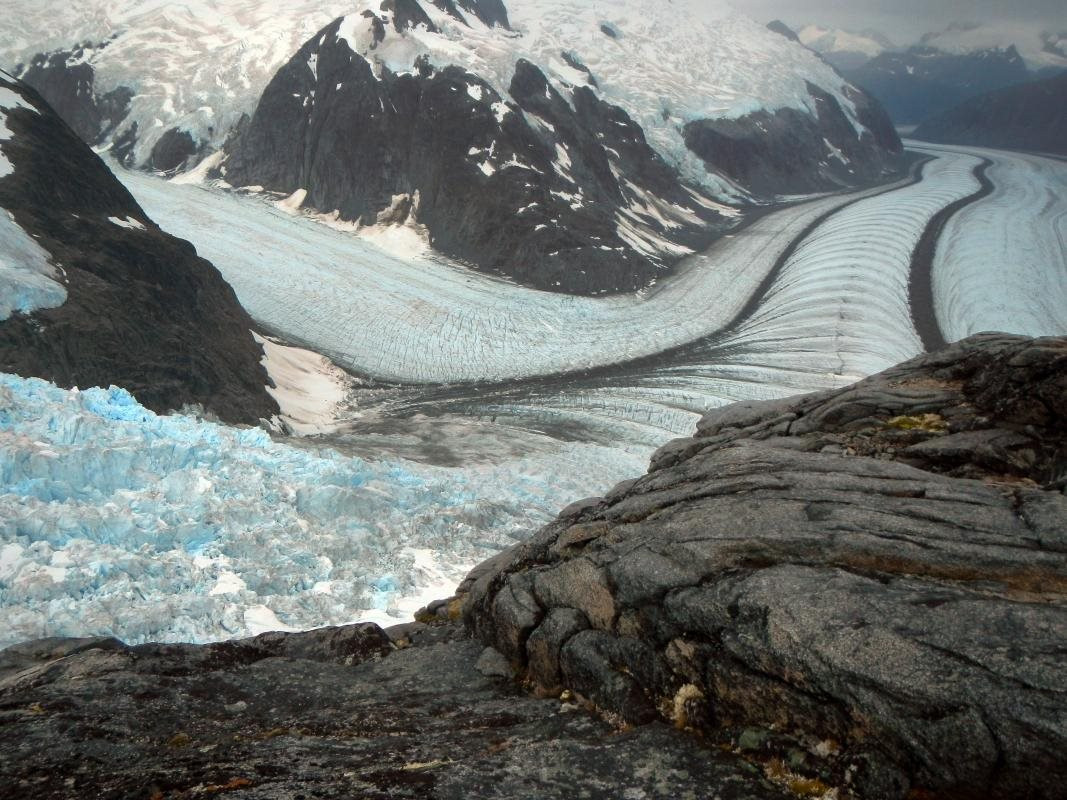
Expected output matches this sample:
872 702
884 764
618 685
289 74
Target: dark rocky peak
781 28
532 185
142 310
490 12
67 82
791 152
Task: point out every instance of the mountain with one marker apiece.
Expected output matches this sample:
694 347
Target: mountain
947 67
564 148
845 49
1040 48
559 143
1031 116
923 81
93 293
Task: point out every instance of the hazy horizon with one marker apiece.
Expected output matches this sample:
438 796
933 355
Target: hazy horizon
905 21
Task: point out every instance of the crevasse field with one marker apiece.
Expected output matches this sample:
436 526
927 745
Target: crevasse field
500 405
116 520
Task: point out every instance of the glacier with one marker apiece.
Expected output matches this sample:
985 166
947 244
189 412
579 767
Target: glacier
118 521
422 319
1001 262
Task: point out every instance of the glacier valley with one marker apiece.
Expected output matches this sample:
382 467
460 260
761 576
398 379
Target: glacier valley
463 412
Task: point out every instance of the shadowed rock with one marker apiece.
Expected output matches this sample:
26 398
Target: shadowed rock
335 713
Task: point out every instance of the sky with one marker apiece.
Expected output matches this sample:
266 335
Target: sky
906 20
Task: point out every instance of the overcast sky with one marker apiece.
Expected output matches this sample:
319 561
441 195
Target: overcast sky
905 20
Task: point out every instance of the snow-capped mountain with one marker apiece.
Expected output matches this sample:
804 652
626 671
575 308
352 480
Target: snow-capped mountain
1039 48
569 149
1031 116
947 67
92 292
845 49
614 147
922 81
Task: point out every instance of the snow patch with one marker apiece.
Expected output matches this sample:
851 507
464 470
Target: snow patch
127 222
28 281
309 389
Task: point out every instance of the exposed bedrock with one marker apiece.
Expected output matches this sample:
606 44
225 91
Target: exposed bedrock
866 584
143 311
67 82
335 713
562 194
791 152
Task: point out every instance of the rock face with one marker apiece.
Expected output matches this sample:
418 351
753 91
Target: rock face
67 82
562 194
525 161
1032 116
923 81
336 713
143 311
869 584
785 151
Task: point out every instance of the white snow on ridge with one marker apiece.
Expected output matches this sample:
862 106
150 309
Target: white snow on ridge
198 65
193 64
116 521
834 40
720 63
418 319
1001 263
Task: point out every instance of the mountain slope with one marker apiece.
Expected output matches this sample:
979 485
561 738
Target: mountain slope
564 153
109 297
1032 116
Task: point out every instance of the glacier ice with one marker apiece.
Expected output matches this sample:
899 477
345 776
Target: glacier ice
1001 262
421 319
114 520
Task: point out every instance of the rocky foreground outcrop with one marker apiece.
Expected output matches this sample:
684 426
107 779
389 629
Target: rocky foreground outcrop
859 593
869 582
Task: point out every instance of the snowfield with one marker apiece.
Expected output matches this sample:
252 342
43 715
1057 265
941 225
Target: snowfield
116 521
1001 263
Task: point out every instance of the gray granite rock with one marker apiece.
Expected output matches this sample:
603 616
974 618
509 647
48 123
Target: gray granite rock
872 580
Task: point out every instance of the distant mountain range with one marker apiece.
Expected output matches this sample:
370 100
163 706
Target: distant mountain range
942 69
